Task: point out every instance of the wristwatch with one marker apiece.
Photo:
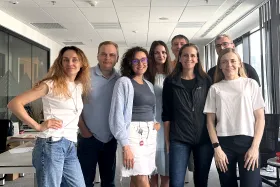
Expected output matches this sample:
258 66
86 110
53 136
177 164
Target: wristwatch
215 145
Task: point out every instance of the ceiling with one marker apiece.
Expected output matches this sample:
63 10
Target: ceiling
127 22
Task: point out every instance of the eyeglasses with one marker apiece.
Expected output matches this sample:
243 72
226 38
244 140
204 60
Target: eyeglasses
142 60
224 44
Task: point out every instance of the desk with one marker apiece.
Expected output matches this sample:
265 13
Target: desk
18 162
25 137
273 162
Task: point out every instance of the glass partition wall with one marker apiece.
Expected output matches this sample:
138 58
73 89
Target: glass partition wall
22 63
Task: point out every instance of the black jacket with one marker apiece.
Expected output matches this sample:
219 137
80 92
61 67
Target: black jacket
187 121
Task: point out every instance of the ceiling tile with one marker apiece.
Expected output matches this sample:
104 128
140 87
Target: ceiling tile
115 35
169 3
131 3
17 3
133 14
172 13
136 39
106 15
188 32
56 3
92 39
66 15
202 13
79 28
204 3
154 33
30 15
100 4
139 27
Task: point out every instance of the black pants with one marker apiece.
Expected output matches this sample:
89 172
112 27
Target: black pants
235 147
90 152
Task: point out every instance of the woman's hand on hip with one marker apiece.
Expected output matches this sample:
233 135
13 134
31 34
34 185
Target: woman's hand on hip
128 157
221 159
50 124
252 158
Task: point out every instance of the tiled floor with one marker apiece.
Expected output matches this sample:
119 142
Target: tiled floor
27 181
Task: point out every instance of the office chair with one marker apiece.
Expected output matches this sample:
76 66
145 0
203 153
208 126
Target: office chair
269 143
4 127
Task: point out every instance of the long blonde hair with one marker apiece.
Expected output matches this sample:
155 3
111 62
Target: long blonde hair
219 75
58 76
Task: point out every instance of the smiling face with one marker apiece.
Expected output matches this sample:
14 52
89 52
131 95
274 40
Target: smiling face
177 44
160 54
230 64
189 58
139 63
107 57
223 43
71 64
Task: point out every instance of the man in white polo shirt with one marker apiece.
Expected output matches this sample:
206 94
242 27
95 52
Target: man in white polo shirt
96 143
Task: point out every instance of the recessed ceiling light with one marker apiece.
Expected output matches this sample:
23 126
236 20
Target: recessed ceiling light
163 18
14 2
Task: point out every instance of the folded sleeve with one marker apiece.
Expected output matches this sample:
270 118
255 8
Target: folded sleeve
257 98
210 104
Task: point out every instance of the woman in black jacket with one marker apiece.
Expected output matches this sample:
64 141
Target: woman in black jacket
184 95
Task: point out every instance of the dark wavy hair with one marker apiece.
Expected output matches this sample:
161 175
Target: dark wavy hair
128 56
167 67
198 69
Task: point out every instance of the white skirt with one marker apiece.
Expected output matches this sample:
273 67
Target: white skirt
143 148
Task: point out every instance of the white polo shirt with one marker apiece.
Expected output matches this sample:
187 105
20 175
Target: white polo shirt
234 103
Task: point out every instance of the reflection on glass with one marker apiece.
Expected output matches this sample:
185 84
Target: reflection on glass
39 64
3 75
21 65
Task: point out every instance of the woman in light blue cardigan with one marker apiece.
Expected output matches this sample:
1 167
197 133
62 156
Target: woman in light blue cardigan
132 118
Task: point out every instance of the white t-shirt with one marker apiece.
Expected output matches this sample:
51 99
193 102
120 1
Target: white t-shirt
234 103
66 109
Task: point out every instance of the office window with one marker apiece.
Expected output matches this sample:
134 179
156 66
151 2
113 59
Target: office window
239 49
255 52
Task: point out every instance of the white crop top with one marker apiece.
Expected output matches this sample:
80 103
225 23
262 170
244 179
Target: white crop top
68 110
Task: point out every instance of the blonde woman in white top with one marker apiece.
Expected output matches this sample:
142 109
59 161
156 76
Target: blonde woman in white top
236 102
54 154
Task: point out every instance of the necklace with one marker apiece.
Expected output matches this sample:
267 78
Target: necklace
75 103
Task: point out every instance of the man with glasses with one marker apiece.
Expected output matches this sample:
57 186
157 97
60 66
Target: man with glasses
96 143
176 43
223 41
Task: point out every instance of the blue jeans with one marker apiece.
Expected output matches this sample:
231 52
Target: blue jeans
92 151
179 154
56 161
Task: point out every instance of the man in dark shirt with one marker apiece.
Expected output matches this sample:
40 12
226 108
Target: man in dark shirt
223 41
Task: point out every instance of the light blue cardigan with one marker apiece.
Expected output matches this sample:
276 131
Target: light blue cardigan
121 109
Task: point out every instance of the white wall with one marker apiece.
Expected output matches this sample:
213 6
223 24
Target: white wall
13 24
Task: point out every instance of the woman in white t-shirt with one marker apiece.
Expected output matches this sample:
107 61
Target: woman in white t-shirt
54 155
237 105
